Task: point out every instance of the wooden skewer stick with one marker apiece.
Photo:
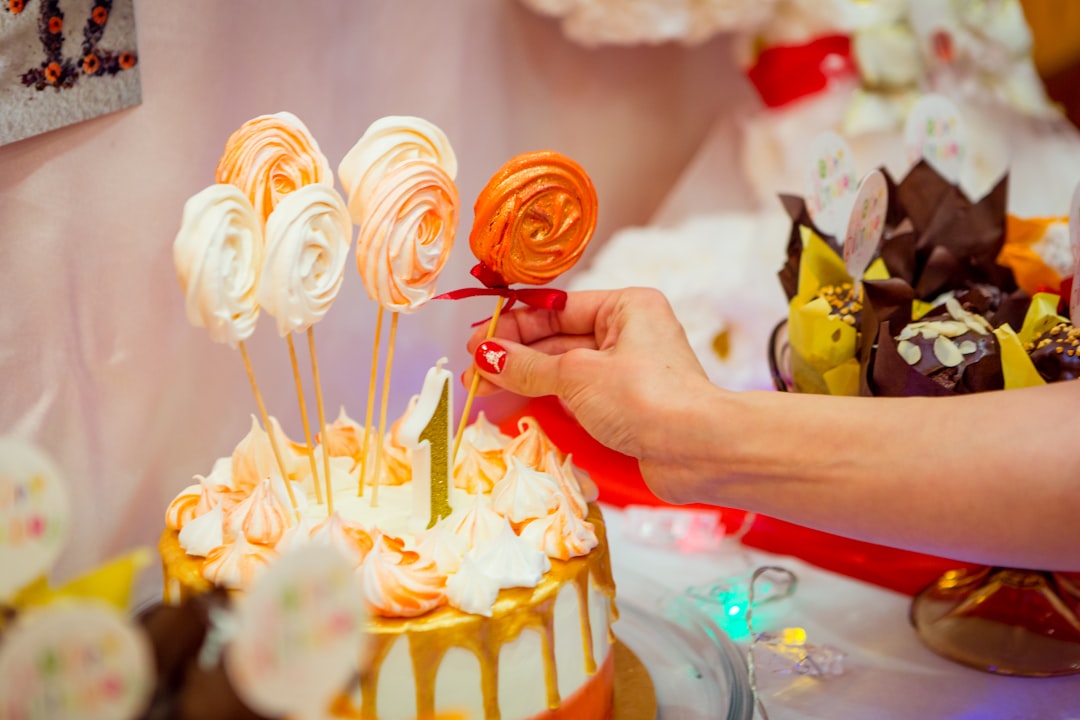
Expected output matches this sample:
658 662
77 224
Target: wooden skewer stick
370 401
304 418
322 420
269 429
382 406
473 386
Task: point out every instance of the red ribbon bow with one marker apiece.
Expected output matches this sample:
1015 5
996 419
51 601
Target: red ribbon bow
494 284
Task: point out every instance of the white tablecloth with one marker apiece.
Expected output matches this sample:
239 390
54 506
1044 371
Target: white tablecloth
888 673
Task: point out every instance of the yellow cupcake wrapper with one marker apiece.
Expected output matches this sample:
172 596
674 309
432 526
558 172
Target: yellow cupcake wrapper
111 582
1016 364
824 349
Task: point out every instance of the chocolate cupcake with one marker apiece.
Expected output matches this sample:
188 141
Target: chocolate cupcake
943 345
1056 353
191 678
844 303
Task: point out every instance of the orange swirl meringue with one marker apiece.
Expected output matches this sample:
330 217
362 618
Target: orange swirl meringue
353 539
534 218
269 157
236 564
397 459
566 477
561 534
406 238
253 459
478 525
477 471
531 445
401 584
260 517
197 500
343 438
183 506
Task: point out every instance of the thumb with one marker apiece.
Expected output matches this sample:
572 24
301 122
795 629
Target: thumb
517 368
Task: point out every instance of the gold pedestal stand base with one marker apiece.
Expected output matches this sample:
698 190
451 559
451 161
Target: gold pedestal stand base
1005 621
635 696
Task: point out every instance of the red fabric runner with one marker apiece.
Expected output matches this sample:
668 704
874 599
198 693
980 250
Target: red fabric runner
620 484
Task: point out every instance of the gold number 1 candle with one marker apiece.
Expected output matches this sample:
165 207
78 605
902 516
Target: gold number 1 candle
427 432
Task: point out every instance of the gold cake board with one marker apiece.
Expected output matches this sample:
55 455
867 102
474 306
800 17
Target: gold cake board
635 696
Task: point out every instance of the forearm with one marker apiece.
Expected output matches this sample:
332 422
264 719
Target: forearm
992 477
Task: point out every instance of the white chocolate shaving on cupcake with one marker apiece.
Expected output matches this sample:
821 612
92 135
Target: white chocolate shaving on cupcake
308 237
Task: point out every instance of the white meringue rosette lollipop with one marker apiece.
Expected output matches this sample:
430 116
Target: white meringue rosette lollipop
387 143
218 255
405 239
308 236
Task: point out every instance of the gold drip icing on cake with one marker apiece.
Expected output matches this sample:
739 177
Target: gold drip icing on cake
431 635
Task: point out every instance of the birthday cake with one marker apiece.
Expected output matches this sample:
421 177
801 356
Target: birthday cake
482 556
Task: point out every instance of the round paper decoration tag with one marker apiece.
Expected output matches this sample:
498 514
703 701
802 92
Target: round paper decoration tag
1074 242
830 183
298 636
33 514
866 224
934 131
74 661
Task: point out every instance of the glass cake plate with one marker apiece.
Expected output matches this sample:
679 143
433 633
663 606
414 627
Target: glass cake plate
697 671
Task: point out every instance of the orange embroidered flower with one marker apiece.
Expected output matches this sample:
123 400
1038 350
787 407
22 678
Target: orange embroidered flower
90 64
99 15
52 72
127 60
56 24
16 6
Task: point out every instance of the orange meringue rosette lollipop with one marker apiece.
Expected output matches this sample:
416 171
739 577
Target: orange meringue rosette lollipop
534 218
269 157
532 222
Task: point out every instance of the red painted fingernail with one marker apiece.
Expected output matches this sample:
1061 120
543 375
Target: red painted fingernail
490 357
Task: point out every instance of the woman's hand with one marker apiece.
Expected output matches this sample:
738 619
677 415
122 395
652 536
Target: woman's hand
619 361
